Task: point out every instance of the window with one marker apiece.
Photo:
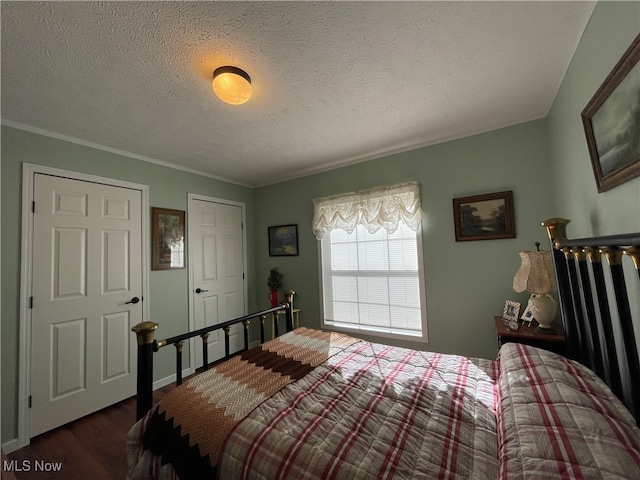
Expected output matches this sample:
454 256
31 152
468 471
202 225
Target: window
372 276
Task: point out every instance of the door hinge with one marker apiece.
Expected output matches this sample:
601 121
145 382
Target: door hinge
30 399
30 302
33 207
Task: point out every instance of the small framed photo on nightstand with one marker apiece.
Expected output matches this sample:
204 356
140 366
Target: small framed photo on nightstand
527 315
511 311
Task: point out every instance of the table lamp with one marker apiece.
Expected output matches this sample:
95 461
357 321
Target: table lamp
537 277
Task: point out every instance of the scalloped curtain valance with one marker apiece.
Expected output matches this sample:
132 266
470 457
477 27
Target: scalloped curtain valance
376 208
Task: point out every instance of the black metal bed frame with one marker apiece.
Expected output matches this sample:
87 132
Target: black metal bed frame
596 314
147 346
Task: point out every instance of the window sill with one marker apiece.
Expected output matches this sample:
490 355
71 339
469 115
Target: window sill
353 331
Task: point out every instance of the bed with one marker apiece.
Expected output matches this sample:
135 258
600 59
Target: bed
313 405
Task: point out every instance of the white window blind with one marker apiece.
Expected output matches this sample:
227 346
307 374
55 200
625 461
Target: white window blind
372 282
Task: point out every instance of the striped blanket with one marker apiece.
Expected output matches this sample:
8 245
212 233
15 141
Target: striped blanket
187 428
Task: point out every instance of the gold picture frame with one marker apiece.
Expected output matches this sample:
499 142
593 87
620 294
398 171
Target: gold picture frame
611 123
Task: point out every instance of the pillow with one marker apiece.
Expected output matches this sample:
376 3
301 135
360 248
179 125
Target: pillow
557 419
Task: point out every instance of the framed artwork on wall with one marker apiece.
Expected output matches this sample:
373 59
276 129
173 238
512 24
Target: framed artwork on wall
611 123
168 239
484 217
283 240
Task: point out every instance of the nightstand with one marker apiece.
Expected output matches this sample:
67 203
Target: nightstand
529 336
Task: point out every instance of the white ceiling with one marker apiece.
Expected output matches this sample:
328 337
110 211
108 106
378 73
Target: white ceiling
334 82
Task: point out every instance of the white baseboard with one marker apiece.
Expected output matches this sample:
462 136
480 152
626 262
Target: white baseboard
163 382
10 446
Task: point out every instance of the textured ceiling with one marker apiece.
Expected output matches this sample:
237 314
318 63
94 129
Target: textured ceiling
334 82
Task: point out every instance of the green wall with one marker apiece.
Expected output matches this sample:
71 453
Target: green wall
168 188
612 28
467 283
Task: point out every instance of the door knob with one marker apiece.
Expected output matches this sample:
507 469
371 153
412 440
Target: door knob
200 290
134 300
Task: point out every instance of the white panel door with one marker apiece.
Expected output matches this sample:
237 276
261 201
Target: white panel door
86 270
217 268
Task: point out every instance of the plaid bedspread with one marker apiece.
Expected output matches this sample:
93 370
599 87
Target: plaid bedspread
558 420
373 411
187 428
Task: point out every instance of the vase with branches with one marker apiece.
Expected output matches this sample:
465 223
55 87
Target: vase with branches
274 282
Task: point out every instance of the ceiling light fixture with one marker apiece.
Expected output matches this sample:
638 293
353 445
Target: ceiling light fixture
232 85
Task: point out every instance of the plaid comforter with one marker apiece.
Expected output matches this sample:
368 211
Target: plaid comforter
371 411
558 420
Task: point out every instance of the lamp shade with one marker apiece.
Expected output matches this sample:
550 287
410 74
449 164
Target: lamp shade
232 85
535 274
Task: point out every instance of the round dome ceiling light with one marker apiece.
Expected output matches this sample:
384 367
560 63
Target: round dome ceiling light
232 85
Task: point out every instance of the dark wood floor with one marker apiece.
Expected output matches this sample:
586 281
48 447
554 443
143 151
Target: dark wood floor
92 448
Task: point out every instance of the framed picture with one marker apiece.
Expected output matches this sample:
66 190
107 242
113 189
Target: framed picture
167 245
511 311
484 217
283 240
612 123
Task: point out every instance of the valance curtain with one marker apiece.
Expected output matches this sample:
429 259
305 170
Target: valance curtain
376 208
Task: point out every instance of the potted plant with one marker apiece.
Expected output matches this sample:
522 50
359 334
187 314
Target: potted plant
274 282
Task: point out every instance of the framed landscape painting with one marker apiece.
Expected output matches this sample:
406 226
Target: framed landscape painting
612 123
283 240
484 217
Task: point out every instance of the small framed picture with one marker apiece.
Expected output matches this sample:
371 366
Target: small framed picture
527 315
511 310
283 240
